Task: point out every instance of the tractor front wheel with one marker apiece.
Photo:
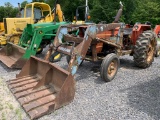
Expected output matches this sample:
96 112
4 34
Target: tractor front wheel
144 49
109 67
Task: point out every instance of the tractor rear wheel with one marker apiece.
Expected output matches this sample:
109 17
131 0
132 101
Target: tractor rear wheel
144 49
109 67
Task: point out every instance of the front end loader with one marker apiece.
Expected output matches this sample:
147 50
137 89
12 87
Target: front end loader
34 37
91 42
106 42
42 87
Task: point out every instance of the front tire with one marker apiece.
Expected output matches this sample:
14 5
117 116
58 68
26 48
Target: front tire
145 49
109 67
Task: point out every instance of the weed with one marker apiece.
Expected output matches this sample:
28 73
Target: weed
10 106
3 116
19 114
1 107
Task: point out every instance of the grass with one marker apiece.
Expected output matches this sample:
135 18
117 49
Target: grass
1 107
10 106
1 80
19 114
3 116
7 107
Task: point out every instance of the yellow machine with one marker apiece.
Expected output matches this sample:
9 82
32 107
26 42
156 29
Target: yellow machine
32 13
1 27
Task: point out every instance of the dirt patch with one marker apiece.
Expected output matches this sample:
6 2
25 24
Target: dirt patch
9 107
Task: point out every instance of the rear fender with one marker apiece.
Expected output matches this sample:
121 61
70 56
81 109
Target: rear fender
137 30
157 30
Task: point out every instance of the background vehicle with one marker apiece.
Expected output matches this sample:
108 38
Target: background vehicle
157 32
34 38
32 13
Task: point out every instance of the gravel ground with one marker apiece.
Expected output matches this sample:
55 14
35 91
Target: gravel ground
134 94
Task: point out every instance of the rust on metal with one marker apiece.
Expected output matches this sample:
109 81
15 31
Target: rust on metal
88 36
11 56
42 87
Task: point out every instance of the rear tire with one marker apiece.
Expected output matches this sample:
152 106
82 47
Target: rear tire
109 67
145 49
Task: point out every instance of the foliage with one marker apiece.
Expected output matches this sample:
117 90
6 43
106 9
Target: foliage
38 0
149 11
7 11
100 10
23 4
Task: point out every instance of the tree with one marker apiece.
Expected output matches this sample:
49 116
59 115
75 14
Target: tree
149 11
23 4
100 10
2 9
7 11
38 0
104 10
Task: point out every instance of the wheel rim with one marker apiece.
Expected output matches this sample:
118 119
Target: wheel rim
150 53
112 68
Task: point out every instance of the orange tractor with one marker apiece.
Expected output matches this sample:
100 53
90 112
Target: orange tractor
42 87
106 42
157 32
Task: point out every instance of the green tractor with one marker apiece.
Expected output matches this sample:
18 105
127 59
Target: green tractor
34 38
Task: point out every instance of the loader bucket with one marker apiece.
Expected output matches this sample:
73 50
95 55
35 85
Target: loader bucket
11 55
42 87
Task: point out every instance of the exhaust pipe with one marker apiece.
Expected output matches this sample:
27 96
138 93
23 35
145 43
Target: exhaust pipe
119 13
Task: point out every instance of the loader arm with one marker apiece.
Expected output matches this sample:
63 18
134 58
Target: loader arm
81 45
37 37
58 12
